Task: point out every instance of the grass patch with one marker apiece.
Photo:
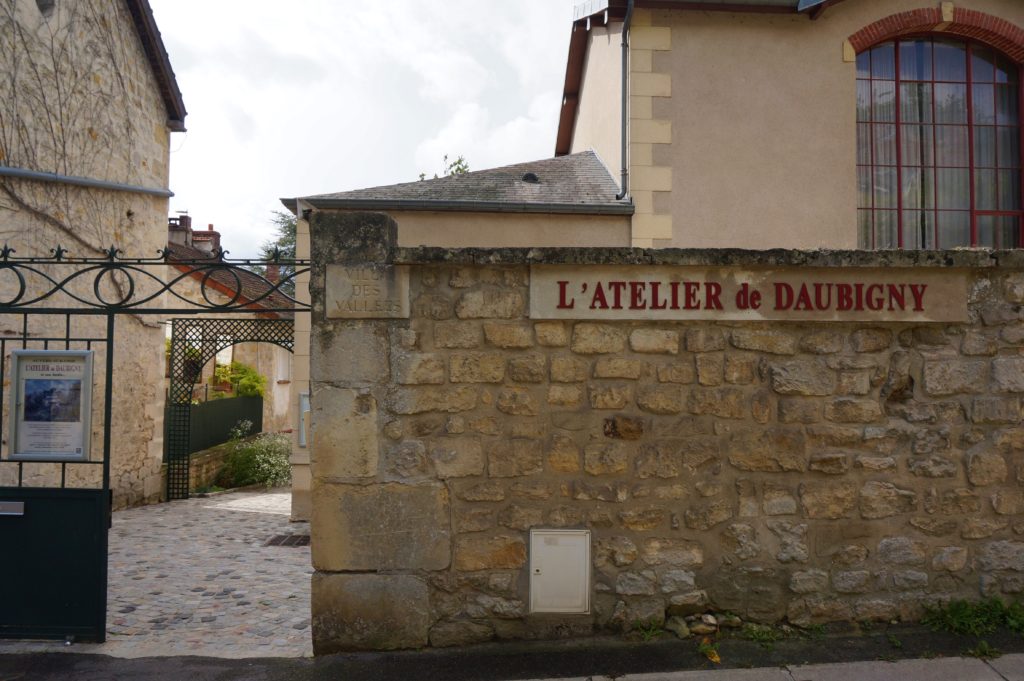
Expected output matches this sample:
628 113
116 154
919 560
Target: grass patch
983 651
647 631
764 636
975 619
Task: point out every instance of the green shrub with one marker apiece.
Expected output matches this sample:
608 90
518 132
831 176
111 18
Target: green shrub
247 381
262 460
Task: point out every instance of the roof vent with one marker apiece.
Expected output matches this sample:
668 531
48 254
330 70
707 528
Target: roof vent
531 178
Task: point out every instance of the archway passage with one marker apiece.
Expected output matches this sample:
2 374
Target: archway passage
194 341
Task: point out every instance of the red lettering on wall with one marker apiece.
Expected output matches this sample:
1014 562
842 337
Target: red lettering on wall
917 290
690 291
563 304
875 297
712 291
783 296
617 287
636 295
598 302
655 303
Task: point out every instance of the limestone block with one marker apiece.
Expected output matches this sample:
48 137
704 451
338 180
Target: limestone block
610 396
484 491
822 342
642 519
986 468
726 403
617 367
808 581
828 500
532 369
996 410
592 339
474 520
768 450
617 551
950 558
521 518
856 382
978 343
935 527
949 376
477 367
506 335
658 461
417 369
710 368
501 552
654 341
799 410
635 583
802 377
551 334
830 462
1008 501
605 458
516 402
677 580
512 458
1002 555
661 399
852 581
980 528
381 527
740 369
623 427
420 400
369 612
772 341
350 353
901 551
490 304
853 410
464 335
705 340
407 459
883 499
457 457
673 552
706 516
740 539
792 540
681 371
778 501
568 370
933 467
870 340
565 395
344 441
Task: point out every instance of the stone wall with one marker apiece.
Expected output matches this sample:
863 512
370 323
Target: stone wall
807 472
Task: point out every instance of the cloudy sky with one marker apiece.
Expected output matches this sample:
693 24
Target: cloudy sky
316 96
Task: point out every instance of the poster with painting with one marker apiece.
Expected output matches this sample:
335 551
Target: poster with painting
51 392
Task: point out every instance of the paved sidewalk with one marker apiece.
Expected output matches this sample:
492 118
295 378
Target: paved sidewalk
194 578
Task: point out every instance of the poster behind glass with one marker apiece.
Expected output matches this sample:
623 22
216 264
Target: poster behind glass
51 395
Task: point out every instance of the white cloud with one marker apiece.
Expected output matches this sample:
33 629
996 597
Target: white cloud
330 95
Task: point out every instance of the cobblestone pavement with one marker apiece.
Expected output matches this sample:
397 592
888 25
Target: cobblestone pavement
194 578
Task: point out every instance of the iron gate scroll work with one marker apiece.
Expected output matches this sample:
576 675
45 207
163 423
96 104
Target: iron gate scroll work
54 516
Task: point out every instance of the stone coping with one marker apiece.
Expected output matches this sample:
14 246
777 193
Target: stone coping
725 257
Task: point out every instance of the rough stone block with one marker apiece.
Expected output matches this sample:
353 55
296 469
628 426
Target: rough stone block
799 410
490 304
673 552
808 581
995 410
705 516
658 461
681 371
726 403
381 527
407 459
457 457
506 335
565 395
512 458
852 410
593 339
568 370
345 441
1002 555
772 341
778 501
654 341
617 367
950 376
986 468
610 396
661 399
426 399
822 342
520 518
563 455
464 335
369 612
477 367
532 369
501 552
950 558
902 551
1008 374
642 520
705 340
740 369
624 427
802 377
517 402
551 334
828 500
883 499
605 458
710 368
768 450
870 340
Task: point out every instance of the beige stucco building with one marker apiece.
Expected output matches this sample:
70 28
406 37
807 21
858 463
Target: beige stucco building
87 106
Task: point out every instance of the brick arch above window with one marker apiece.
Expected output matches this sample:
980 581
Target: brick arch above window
1001 34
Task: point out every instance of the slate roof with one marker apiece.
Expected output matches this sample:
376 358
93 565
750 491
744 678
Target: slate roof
153 44
254 287
576 183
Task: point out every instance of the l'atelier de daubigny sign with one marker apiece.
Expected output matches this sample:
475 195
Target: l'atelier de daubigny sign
736 294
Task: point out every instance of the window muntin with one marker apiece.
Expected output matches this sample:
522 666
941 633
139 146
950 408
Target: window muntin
938 146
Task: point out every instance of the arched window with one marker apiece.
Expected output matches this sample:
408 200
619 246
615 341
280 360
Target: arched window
938 145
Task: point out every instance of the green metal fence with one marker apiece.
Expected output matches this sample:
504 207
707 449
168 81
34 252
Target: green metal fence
211 422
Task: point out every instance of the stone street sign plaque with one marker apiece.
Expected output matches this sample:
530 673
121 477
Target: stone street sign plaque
747 294
367 292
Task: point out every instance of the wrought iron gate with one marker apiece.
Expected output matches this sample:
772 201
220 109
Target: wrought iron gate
54 516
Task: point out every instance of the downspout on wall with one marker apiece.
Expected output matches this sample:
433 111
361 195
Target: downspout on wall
624 192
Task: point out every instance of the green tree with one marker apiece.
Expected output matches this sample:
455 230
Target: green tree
460 166
281 245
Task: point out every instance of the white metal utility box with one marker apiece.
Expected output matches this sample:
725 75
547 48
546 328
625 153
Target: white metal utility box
560 571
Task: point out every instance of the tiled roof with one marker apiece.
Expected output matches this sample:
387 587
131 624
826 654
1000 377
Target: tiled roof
577 183
254 287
